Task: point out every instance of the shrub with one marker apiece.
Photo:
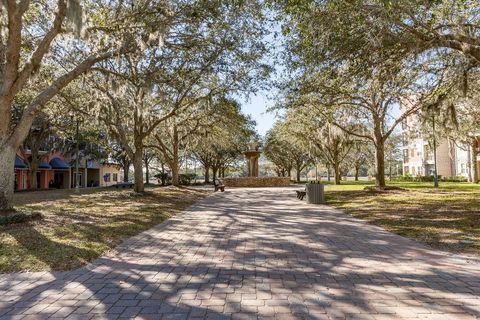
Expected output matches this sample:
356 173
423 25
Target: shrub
163 177
454 179
408 178
405 178
186 178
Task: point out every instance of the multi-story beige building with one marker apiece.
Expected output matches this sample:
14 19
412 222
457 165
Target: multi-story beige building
453 158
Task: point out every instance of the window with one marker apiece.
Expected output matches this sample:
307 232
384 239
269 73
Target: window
463 168
115 177
405 155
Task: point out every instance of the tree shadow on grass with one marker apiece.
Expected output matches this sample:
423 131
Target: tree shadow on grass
32 243
68 239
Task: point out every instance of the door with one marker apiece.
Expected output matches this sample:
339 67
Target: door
58 180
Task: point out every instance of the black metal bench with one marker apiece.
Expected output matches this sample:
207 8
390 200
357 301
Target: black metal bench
301 194
218 185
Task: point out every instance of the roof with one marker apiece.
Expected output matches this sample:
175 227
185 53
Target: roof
19 163
43 165
57 163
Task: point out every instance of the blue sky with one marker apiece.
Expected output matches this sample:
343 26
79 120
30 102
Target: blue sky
256 107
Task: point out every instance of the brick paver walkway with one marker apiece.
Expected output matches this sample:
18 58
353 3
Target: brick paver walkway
255 253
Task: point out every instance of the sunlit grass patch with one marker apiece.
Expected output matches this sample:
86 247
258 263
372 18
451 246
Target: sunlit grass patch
439 217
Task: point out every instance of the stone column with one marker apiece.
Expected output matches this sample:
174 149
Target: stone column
252 162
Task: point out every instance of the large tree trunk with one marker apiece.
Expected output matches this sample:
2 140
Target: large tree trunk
175 158
163 177
379 151
336 168
298 173
7 176
473 162
328 173
207 174
214 171
126 170
175 174
380 164
357 169
138 170
32 177
32 170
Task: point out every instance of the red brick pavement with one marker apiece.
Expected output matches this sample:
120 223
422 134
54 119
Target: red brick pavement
255 254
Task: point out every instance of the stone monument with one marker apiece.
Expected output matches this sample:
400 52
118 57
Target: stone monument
252 155
253 180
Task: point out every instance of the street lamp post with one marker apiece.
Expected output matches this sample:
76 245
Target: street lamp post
77 151
435 174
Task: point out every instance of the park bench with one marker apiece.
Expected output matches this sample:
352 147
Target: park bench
301 194
218 185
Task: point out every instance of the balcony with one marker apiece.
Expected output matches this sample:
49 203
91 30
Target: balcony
429 161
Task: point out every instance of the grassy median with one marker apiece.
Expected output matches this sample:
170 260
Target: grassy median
77 228
447 218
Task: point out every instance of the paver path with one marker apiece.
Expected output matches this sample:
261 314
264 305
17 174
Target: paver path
255 253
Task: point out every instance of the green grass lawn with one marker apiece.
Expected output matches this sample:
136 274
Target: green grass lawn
439 217
78 228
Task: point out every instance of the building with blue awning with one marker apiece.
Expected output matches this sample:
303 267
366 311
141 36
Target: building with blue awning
21 173
52 171
43 165
56 170
58 164
20 164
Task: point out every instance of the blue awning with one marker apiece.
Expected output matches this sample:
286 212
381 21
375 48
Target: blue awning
43 165
19 164
59 164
